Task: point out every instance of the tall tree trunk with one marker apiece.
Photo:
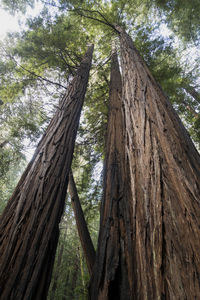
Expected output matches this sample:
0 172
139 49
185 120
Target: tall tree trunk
105 283
164 171
159 235
29 225
83 232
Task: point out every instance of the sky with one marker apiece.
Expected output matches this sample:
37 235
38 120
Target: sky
9 23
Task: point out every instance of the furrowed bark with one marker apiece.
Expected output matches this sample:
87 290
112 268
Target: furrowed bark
149 238
105 282
164 171
29 225
83 232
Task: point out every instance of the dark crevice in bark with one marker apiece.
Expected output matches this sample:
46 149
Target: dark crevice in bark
163 247
119 286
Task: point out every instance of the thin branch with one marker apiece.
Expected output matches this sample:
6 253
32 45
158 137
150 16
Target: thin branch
33 73
100 65
41 77
104 21
63 58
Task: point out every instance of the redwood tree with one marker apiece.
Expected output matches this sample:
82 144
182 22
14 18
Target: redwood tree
149 239
81 224
29 225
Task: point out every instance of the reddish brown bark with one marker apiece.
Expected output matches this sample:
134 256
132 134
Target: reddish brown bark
110 259
83 232
29 224
153 231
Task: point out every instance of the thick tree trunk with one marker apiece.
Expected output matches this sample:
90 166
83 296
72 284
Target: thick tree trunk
83 232
29 224
164 171
158 240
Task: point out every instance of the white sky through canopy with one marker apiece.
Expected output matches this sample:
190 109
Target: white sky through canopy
10 23
7 23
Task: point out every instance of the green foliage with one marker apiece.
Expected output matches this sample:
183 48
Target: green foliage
11 165
183 17
70 277
21 126
15 6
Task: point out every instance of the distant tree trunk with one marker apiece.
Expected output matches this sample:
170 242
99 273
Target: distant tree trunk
74 276
29 225
56 270
83 232
66 286
153 231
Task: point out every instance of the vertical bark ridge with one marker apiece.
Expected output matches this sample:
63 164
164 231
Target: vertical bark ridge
110 279
164 171
84 234
150 230
29 224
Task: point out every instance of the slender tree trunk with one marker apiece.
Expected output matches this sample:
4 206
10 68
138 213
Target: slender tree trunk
83 289
56 271
66 286
29 225
157 243
83 232
74 276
